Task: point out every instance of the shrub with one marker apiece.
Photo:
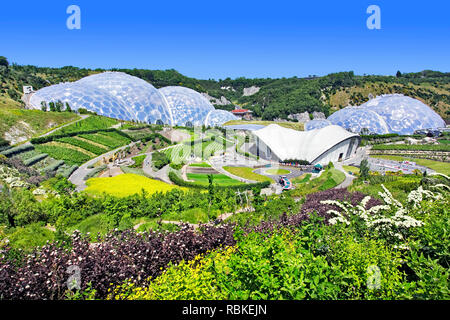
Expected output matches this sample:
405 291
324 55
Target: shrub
16 150
35 159
54 166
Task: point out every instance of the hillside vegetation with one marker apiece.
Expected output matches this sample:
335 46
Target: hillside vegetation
275 98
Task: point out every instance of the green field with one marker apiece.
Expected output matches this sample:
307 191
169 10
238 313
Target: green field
90 123
438 166
200 165
277 171
247 173
352 169
126 184
218 179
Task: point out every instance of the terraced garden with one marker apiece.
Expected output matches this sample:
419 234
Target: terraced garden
79 149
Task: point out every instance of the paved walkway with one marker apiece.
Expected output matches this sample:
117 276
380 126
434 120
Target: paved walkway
348 178
77 178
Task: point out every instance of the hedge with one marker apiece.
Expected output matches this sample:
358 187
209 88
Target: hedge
35 159
16 150
244 186
54 166
94 172
68 172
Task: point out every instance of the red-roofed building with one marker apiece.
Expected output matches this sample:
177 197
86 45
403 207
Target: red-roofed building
242 113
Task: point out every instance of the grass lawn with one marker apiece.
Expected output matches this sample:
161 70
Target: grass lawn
138 161
218 179
126 184
438 166
201 165
330 178
247 173
303 178
352 169
277 171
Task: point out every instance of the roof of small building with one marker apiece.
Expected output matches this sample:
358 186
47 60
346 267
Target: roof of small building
241 111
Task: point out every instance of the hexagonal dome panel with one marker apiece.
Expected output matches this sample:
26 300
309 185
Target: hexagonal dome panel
403 114
218 117
317 124
82 96
139 97
188 107
355 119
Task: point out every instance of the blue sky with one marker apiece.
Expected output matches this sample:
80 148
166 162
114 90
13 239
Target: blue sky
219 39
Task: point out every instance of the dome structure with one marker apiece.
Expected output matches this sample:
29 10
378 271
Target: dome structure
218 117
390 113
122 96
139 97
188 107
355 119
403 114
317 124
82 96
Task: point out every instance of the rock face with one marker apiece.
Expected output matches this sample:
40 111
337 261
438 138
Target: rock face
318 115
301 117
22 131
220 102
250 91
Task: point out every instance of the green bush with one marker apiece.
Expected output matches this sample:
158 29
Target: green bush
16 150
35 159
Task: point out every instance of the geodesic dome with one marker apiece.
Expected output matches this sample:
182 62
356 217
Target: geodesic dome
218 117
317 124
139 97
355 119
122 96
403 114
186 105
82 96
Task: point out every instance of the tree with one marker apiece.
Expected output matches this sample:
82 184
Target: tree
52 106
364 169
4 61
68 108
43 106
399 74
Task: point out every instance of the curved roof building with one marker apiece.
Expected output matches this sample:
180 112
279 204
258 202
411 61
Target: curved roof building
331 143
122 96
392 113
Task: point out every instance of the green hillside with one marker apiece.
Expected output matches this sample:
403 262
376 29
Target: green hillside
275 98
